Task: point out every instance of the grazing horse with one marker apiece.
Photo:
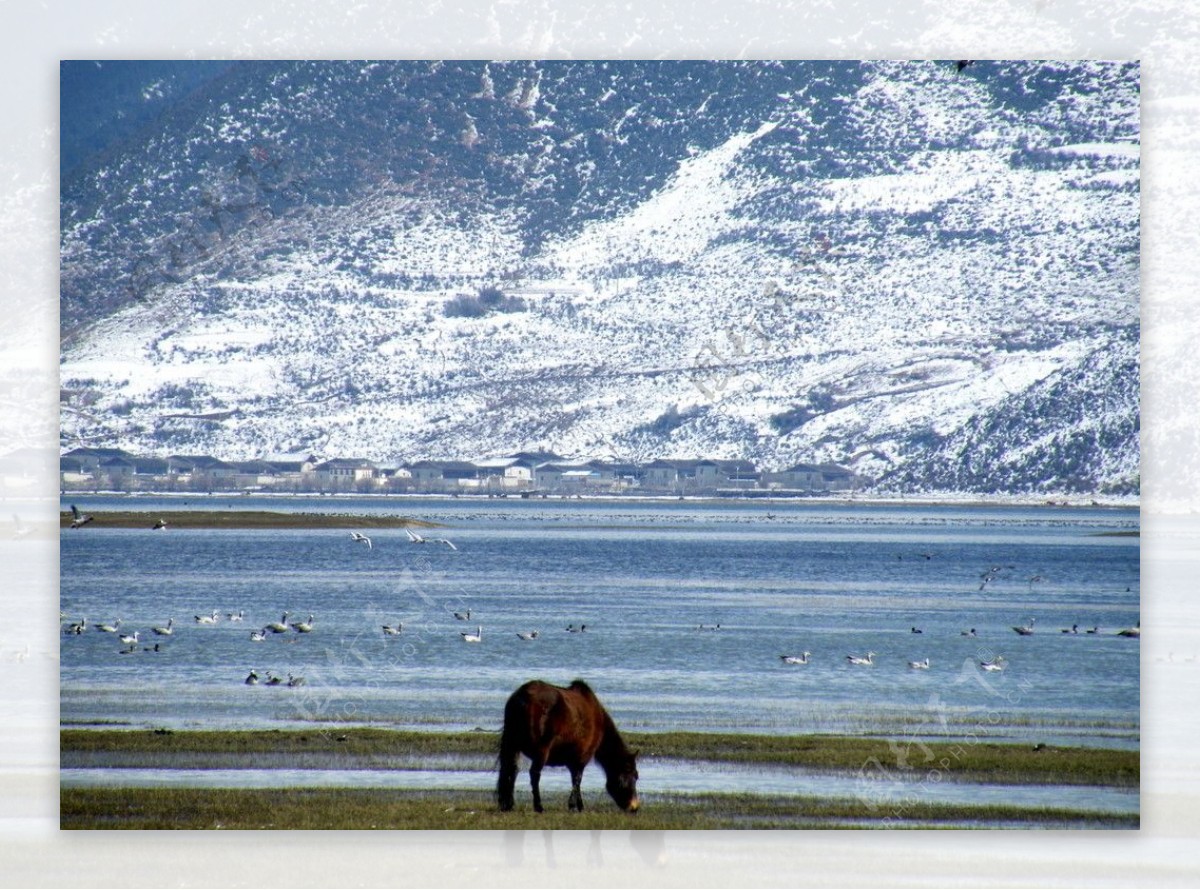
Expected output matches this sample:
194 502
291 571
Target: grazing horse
553 726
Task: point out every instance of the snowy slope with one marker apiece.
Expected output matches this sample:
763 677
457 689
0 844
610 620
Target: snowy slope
928 275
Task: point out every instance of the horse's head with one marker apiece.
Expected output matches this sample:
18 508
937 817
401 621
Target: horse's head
622 782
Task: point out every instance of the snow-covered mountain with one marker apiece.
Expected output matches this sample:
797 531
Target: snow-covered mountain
927 273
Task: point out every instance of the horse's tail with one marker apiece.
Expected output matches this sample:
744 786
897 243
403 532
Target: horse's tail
510 751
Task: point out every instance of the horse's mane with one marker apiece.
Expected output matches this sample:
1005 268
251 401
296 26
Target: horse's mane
580 686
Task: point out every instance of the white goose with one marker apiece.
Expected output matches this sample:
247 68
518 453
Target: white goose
304 627
167 629
414 538
390 631
208 619
280 626
463 616
1025 629
130 639
109 628
527 634
476 637
861 659
273 680
239 615
77 627
995 664
922 665
257 636
295 681
1135 631
795 659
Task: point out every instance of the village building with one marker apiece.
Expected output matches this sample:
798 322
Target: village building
527 473
344 473
811 477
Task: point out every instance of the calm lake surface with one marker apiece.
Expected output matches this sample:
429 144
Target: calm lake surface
644 577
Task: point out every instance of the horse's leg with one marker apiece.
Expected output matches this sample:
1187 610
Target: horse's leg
575 801
535 777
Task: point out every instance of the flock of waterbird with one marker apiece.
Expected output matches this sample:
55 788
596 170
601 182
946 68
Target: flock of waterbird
996 663
270 628
282 626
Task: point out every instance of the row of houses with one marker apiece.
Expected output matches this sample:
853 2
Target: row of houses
521 473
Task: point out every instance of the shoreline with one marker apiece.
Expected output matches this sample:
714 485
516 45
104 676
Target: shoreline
244 519
280 806
961 499
991 762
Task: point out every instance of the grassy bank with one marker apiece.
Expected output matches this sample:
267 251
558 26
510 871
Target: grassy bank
240 519
360 748
341 808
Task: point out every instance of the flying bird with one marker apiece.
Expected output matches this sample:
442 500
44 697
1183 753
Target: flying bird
991 574
414 538
361 539
80 519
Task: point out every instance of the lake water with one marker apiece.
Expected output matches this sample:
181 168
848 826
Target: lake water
651 580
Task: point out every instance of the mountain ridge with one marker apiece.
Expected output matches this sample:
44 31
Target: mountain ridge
919 270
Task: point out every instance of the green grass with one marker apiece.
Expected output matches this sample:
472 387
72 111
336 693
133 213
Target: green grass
336 808
241 519
333 747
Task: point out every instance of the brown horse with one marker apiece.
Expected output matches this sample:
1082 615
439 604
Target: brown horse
553 726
